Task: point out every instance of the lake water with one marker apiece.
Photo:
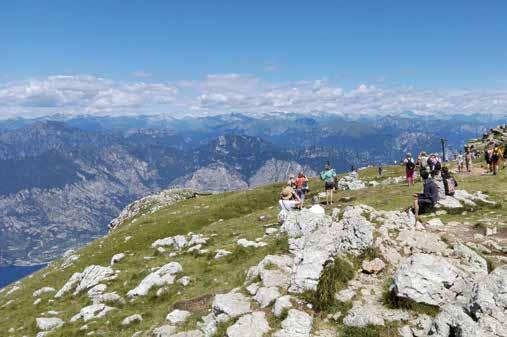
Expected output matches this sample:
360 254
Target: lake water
12 274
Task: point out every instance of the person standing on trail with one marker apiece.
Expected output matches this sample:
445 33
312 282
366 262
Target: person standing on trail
488 157
328 176
460 162
424 202
495 159
380 169
301 186
409 168
469 156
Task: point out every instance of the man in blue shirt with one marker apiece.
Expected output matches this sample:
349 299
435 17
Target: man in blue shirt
424 202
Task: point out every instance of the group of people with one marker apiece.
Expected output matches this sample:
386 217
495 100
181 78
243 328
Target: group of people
493 155
294 194
430 163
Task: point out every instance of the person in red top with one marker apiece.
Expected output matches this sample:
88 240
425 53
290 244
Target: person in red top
301 186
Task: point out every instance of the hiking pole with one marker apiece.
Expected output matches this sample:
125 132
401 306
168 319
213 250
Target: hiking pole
442 141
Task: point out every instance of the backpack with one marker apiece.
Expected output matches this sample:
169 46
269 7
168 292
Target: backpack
423 169
451 185
411 165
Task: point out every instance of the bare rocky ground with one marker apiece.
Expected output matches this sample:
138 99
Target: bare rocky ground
231 265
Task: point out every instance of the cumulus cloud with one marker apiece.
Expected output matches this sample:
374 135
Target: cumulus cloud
223 93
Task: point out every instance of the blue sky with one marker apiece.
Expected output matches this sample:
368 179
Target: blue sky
432 45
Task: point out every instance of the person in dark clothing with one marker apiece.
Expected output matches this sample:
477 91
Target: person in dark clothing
424 202
450 183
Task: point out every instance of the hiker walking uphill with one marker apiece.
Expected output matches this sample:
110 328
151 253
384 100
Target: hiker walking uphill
460 162
495 159
488 157
409 168
424 202
328 176
469 157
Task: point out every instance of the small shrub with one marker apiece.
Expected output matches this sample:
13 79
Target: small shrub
334 277
490 263
238 254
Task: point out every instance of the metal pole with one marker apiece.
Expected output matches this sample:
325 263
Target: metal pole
442 141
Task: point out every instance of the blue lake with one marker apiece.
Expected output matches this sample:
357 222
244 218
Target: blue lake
12 274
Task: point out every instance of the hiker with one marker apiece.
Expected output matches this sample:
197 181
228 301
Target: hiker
495 159
422 160
380 169
328 176
301 186
424 202
469 156
316 207
289 201
488 157
434 165
450 183
292 181
460 162
409 168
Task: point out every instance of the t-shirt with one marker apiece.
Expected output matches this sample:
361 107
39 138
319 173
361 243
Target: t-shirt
288 205
300 182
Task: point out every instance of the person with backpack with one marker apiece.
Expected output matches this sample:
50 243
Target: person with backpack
495 159
434 165
301 186
450 183
460 162
328 175
488 157
409 168
425 201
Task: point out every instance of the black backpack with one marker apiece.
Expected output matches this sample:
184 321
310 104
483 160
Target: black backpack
411 165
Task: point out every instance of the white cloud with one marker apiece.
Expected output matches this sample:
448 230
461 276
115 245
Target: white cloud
223 93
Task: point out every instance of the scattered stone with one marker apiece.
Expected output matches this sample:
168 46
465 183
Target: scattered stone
178 317
373 267
47 324
361 316
435 222
164 331
184 281
231 304
117 258
136 318
249 325
345 295
281 304
252 288
266 295
90 277
297 324
91 312
42 291
163 276
221 253
246 243
271 231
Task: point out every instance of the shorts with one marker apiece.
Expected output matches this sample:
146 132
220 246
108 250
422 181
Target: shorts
329 185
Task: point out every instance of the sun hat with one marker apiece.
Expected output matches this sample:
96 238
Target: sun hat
287 193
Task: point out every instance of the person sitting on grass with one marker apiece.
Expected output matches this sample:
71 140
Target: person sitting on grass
450 183
289 201
424 202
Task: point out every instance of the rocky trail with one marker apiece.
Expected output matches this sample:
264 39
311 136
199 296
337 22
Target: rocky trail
231 265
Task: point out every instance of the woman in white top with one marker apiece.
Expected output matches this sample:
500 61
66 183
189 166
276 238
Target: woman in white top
289 201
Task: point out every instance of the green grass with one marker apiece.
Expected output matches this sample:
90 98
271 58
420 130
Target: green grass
390 330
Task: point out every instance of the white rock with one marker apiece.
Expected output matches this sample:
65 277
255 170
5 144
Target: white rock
252 288
423 242
99 289
271 231
435 222
192 333
47 324
317 209
281 304
117 258
231 304
108 298
180 242
91 312
90 277
297 324
12 290
266 295
184 281
178 317
163 276
361 316
37 301
247 243
221 253
249 325
136 318
43 290
373 267
165 242
164 331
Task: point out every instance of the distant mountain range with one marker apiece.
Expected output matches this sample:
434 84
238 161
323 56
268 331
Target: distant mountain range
63 179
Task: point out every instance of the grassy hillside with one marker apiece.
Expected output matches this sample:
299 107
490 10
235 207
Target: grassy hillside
224 218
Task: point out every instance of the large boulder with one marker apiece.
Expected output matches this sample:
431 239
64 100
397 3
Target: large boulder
453 321
488 303
91 312
165 275
315 239
428 279
48 323
89 278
